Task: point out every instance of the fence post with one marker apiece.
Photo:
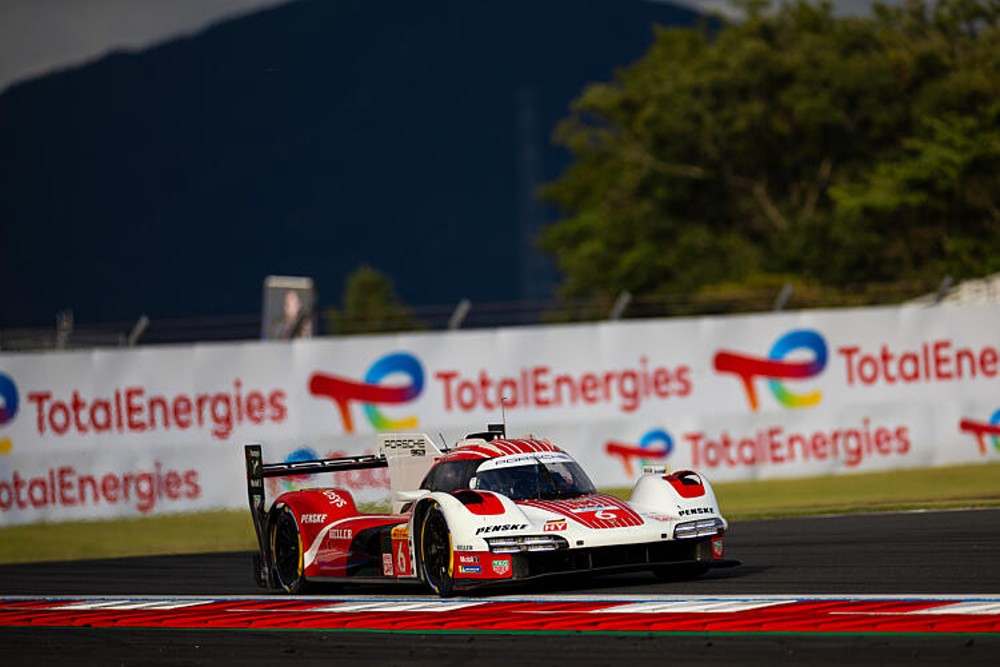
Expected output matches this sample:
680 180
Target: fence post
621 303
783 296
458 316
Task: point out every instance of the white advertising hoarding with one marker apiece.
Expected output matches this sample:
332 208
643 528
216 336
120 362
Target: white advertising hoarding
160 429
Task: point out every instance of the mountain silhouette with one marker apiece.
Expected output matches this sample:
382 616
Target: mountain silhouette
302 140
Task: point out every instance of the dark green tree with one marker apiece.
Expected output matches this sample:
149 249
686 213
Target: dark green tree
793 145
370 305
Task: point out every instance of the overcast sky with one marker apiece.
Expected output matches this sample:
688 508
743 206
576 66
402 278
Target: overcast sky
41 36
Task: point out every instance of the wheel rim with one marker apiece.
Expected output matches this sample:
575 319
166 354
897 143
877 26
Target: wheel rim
286 550
436 550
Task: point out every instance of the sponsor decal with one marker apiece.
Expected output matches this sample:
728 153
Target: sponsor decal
542 387
133 410
255 466
695 510
718 550
579 506
334 498
387 569
313 518
343 391
984 432
501 566
403 558
470 569
776 368
555 525
9 401
468 559
65 487
500 528
340 534
416 446
654 445
464 547
514 460
400 532
663 518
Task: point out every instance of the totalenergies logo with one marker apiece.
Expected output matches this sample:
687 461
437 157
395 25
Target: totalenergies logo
775 368
654 445
294 482
8 408
983 430
370 393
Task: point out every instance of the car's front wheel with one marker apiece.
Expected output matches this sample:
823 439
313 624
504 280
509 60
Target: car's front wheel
435 550
286 552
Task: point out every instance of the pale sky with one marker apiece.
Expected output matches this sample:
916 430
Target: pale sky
42 36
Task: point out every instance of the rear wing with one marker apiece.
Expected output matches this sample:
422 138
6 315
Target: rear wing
257 471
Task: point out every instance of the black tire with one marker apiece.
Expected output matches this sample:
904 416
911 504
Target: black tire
680 572
435 551
286 552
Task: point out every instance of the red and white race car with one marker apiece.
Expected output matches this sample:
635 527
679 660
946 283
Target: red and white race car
490 510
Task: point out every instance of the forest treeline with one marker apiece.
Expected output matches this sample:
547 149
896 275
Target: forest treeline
793 146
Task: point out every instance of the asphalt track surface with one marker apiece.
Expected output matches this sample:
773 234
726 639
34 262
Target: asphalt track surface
895 554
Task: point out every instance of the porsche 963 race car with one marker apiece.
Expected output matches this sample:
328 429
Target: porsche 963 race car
490 510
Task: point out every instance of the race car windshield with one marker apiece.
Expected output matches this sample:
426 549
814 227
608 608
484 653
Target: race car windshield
535 480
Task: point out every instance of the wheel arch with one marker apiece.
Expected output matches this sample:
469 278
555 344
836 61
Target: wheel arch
680 489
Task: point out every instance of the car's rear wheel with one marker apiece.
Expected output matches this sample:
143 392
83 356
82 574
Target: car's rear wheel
286 552
436 551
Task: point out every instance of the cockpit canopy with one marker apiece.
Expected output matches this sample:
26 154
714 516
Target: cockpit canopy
525 476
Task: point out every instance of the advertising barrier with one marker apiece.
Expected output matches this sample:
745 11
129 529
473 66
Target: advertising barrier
160 429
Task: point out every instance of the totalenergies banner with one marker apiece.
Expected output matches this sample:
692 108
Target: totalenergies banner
131 432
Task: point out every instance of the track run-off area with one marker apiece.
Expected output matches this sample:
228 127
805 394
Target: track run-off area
885 588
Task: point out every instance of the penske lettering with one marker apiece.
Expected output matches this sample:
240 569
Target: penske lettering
500 528
696 510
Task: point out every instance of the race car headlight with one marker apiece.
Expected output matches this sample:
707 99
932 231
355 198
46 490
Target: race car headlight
509 545
699 528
